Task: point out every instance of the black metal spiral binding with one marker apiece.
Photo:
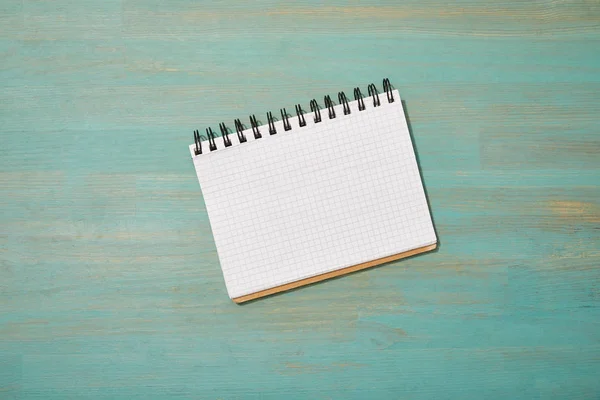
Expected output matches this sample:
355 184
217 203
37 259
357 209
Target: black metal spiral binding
255 130
286 120
300 114
344 101
212 145
197 142
359 98
239 128
271 121
314 107
375 94
225 134
285 117
329 105
387 86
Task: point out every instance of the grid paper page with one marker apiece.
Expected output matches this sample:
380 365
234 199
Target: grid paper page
315 199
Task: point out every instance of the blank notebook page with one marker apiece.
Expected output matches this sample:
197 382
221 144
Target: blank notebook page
315 199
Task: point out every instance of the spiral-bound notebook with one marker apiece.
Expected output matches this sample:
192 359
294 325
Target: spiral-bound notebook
315 195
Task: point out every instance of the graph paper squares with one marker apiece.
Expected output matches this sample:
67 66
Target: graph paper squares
314 199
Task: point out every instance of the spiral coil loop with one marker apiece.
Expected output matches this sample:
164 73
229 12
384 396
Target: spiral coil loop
329 105
387 86
315 109
300 114
239 128
225 134
359 98
344 101
212 145
272 130
374 94
286 120
254 124
197 143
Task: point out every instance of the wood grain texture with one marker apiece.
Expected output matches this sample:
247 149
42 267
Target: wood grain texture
110 285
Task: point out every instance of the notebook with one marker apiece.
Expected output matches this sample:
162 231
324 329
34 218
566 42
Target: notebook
329 190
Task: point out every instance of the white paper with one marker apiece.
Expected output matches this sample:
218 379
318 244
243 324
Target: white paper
314 199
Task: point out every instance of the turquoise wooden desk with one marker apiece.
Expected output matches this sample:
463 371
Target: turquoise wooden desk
110 285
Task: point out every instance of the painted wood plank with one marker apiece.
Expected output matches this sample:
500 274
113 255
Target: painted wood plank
109 279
